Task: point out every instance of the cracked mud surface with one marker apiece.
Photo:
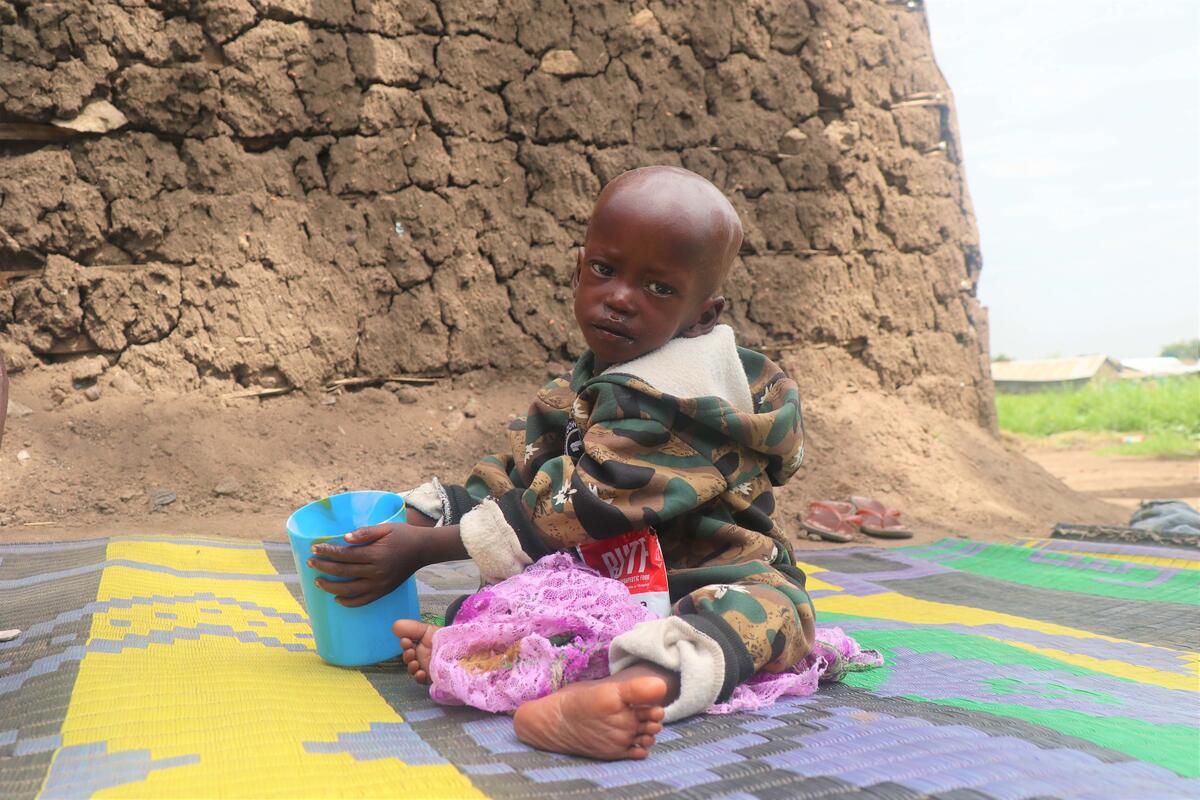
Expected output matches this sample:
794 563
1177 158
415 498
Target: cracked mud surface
309 189
304 190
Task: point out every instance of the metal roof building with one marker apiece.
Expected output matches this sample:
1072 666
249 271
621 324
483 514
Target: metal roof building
1161 366
1045 374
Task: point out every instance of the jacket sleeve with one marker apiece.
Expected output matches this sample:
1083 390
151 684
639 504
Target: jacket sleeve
633 472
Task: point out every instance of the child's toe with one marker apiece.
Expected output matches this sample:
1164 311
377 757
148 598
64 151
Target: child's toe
647 714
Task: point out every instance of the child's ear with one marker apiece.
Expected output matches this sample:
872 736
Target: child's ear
578 268
710 314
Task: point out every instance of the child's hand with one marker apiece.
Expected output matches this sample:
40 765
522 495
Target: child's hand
386 556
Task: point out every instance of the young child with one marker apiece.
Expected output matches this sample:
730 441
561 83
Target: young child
663 423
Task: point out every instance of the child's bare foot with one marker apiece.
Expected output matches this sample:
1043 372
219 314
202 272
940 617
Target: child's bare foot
416 638
613 718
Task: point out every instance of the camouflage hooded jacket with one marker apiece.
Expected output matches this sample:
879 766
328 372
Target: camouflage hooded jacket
688 440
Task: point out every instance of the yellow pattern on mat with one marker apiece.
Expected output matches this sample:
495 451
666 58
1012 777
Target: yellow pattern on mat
895 606
233 715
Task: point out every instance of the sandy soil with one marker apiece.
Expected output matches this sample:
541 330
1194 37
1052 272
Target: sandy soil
239 466
1125 481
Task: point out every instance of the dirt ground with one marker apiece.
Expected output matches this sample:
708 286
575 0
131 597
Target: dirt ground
75 468
1124 481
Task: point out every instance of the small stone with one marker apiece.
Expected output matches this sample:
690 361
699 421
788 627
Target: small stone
644 20
23 457
329 400
99 116
104 507
227 487
16 410
454 421
87 370
791 142
470 409
92 393
9 635
129 494
123 383
843 134
563 63
405 394
161 499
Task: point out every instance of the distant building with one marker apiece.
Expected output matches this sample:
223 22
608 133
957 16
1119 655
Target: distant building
1047 374
1157 367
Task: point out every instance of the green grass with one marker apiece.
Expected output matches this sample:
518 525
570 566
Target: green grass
1166 411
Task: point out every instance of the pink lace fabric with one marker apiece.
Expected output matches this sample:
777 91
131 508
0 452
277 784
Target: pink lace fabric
529 635
552 625
834 654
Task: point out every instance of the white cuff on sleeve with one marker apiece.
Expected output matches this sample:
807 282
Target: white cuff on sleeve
492 543
428 500
675 645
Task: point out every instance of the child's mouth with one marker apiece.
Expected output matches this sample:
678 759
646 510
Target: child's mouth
612 334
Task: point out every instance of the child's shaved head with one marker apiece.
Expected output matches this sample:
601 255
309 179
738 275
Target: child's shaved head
659 244
701 221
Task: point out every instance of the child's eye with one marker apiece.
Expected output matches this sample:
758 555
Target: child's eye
602 270
659 288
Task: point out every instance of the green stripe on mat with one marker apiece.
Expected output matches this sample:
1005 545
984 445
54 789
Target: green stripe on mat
1176 747
962 645
1015 565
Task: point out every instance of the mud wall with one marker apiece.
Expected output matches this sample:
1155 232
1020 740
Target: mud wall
279 192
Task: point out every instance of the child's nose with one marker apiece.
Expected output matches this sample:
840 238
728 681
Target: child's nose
620 300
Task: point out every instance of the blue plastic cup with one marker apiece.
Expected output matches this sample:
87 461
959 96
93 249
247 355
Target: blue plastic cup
349 637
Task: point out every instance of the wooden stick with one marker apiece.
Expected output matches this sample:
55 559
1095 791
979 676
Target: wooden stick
367 381
258 393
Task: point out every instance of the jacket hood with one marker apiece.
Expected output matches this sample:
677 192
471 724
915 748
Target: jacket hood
737 392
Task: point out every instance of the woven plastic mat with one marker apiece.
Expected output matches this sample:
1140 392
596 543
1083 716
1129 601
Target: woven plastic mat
157 667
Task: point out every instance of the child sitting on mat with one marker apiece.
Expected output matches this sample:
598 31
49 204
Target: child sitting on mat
665 424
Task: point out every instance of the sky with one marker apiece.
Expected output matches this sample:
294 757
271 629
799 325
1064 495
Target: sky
1081 139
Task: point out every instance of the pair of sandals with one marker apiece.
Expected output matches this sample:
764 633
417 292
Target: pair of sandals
838 522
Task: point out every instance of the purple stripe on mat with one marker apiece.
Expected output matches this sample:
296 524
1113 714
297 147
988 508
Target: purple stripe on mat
82 770
941 676
679 768
864 749
1146 655
1092 564
41 548
1114 549
863 584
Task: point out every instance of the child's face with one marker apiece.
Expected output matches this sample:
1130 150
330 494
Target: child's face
642 279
